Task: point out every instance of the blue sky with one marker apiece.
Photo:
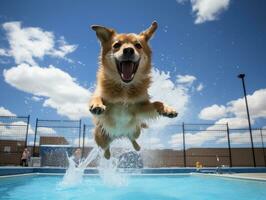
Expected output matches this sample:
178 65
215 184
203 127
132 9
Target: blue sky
203 47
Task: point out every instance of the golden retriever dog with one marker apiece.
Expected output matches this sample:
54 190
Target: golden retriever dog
121 104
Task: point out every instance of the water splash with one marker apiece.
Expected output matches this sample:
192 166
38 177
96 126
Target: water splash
75 171
108 171
91 156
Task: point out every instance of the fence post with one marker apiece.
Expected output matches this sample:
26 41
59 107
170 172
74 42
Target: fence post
27 132
83 141
252 147
34 144
79 131
262 142
229 145
184 145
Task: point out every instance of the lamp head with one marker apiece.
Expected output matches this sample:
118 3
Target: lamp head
241 76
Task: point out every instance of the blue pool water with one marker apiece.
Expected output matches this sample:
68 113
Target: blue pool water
189 187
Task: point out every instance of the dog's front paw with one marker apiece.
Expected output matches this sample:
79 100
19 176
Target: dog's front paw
97 109
168 112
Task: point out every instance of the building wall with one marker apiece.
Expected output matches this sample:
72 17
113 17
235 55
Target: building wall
13 155
46 140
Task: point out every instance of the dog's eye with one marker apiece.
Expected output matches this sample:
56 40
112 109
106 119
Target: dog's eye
138 46
116 45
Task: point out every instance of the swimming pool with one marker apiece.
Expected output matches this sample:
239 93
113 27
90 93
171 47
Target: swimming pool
148 187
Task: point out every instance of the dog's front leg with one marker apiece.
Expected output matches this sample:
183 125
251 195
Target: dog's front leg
164 109
154 109
96 105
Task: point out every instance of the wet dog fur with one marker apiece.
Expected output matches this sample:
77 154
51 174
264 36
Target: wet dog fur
121 104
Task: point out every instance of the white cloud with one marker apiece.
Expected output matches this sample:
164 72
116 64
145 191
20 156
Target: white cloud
176 141
63 49
46 131
58 87
208 10
185 79
214 138
198 138
26 43
150 142
155 145
213 112
172 93
233 113
15 131
36 98
200 87
236 109
29 43
4 52
256 102
235 122
242 138
6 112
176 94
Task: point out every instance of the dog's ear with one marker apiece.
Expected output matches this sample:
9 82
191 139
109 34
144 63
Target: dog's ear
104 34
148 33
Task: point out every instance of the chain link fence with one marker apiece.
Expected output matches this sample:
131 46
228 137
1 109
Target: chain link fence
179 145
14 133
56 132
241 146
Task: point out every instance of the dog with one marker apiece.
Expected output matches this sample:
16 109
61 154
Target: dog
120 104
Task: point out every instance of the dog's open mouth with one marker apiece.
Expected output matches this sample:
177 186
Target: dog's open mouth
127 70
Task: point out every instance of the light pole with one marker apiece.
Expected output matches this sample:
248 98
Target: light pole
242 76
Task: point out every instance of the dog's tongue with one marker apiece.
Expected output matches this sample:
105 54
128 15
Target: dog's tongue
127 70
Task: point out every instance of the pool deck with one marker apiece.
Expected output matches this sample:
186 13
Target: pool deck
249 176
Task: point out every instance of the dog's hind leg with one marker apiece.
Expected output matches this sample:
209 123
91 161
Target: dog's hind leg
103 140
133 139
135 145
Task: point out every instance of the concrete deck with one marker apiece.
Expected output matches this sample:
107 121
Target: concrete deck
250 176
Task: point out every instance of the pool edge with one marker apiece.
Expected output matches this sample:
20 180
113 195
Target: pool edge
225 172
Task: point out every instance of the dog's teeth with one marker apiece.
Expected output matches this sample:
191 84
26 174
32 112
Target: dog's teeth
132 75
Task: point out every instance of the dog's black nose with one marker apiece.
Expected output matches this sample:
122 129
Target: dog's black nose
128 51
